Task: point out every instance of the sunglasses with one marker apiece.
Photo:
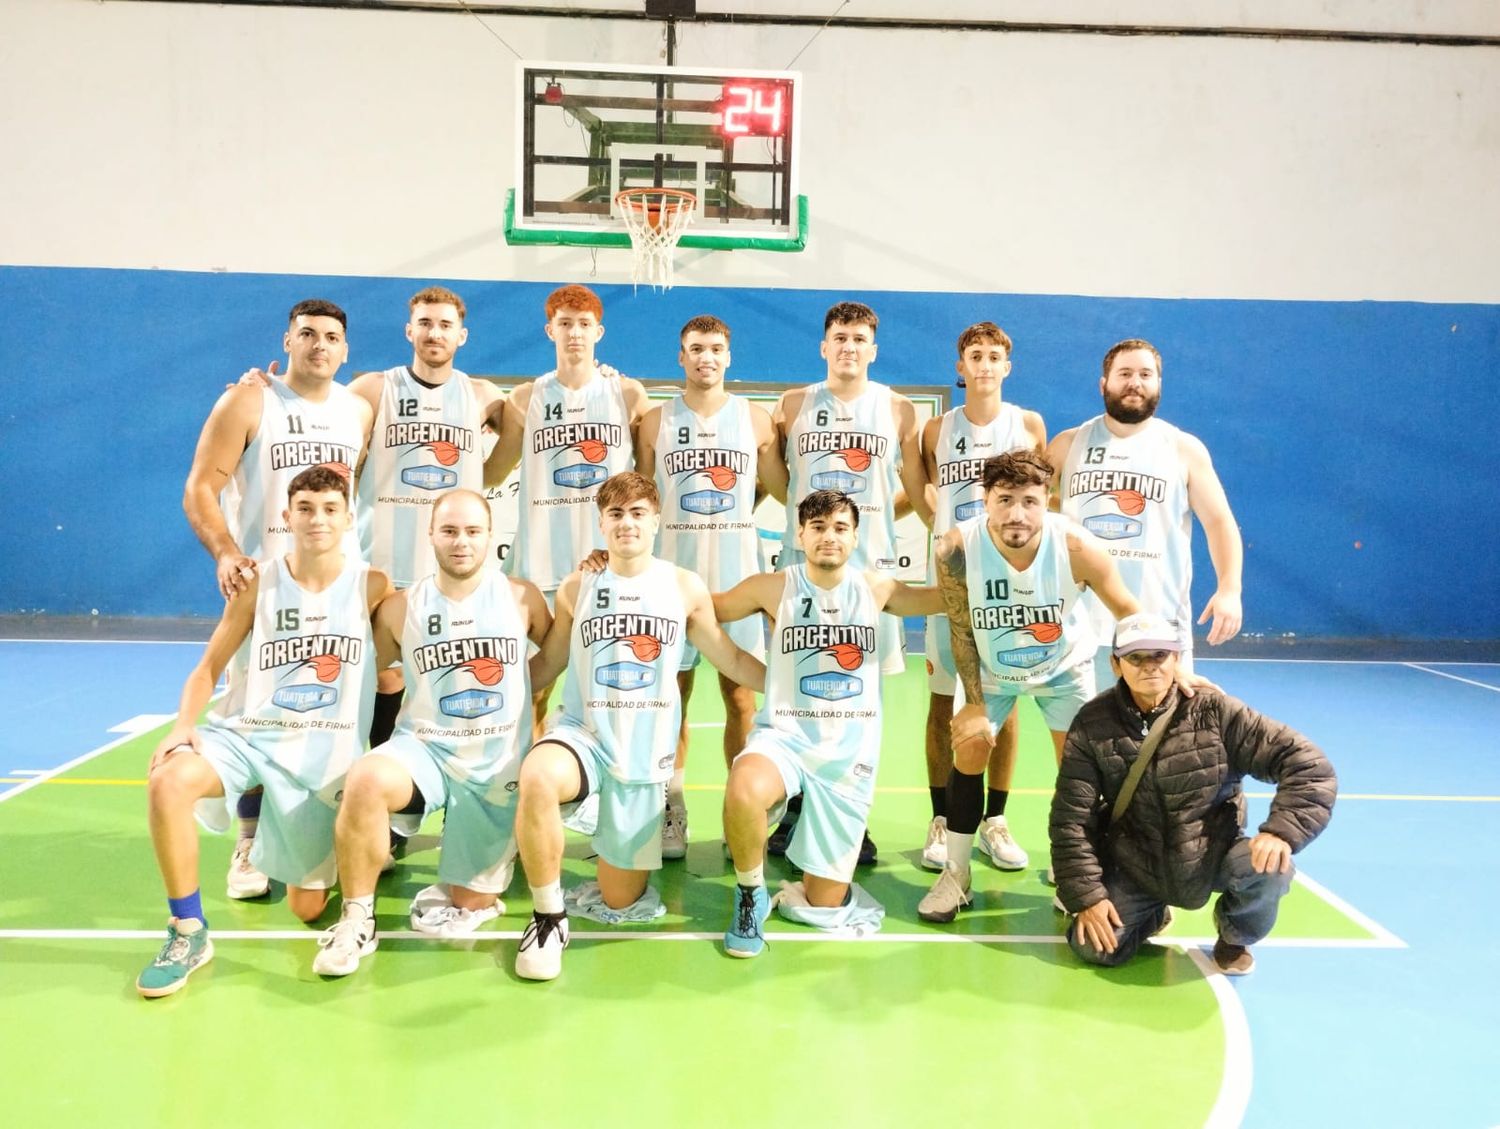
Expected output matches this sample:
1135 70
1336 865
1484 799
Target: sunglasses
1141 658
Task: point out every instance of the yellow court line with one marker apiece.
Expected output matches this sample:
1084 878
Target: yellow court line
893 790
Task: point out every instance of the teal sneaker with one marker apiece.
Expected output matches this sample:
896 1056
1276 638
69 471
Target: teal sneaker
187 949
743 938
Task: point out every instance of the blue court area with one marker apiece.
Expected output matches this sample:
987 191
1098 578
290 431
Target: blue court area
1394 1031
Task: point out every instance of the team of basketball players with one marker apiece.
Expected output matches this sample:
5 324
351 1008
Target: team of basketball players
352 539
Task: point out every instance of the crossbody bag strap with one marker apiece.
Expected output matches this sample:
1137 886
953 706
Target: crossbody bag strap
1138 769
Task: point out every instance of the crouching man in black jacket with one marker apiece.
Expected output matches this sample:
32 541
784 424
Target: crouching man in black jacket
1121 860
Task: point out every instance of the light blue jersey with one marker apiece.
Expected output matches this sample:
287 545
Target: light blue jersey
573 440
850 446
1029 625
294 434
960 451
1131 493
823 681
467 698
622 669
306 700
426 440
705 473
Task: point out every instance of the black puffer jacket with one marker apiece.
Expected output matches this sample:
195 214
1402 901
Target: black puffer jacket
1188 809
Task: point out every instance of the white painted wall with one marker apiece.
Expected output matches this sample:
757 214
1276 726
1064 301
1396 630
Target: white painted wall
381 143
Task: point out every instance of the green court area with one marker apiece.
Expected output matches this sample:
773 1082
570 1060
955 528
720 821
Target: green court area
648 1025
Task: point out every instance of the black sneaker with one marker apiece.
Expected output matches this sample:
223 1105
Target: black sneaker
1232 960
777 844
867 851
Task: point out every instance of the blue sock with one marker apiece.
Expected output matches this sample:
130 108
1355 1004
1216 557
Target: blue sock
190 906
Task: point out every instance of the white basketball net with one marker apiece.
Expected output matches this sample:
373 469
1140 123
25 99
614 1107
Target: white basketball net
655 219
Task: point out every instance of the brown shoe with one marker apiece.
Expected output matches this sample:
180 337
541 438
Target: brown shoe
1233 960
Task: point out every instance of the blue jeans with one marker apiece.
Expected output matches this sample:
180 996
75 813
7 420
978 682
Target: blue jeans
1244 913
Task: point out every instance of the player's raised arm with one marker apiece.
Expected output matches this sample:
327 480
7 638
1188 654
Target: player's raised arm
507 419
1093 566
900 598
552 659
645 441
758 593
770 463
230 427
1225 548
913 469
232 630
704 632
1057 455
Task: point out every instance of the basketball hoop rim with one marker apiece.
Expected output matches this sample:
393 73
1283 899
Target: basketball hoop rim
666 198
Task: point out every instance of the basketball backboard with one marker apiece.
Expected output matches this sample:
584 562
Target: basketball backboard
588 131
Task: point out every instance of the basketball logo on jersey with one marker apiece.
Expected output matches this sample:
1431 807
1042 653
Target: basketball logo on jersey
589 442
321 656
482 661
1125 490
855 449
722 469
1043 624
443 442
643 636
845 646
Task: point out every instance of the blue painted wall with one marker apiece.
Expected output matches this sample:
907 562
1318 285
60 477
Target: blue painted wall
1348 435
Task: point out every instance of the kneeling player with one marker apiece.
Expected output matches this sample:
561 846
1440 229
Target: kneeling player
619 633
818 733
457 745
294 724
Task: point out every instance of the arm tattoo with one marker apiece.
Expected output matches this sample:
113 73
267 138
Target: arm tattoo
953 582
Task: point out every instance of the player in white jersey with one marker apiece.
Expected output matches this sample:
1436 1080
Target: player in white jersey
954 448
569 430
1132 479
1011 580
258 437
856 436
294 724
461 633
714 455
620 634
818 733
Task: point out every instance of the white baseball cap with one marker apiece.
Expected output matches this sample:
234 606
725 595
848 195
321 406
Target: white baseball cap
1145 632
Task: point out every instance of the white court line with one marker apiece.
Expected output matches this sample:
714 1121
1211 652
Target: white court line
1382 934
25 772
629 933
1234 1086
48 774
1456 678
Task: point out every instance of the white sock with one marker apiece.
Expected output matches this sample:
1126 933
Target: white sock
960 847
756 876
675 788
548 898
366 904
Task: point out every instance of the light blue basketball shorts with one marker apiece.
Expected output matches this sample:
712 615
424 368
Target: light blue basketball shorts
832 824
1059 698
479 820
294 838
628 834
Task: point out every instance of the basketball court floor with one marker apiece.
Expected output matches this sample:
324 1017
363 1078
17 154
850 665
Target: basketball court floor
1372 1003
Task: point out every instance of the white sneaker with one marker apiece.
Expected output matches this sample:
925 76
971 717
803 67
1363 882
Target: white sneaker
341 946
947 896
434 915
997 845
674 832
542 945
244 881
935 851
